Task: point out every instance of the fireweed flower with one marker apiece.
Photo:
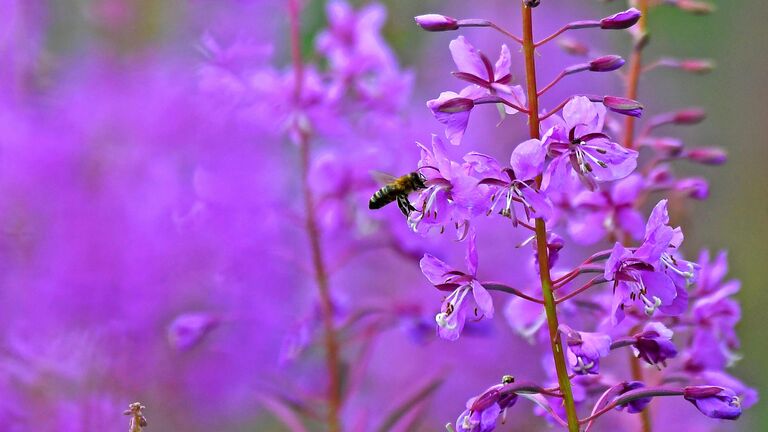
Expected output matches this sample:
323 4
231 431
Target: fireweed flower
483 411
585 349
516 184
450 321
638 275
715 313
637 405
578 146
715 402
451 194
486 79
654 344
602 213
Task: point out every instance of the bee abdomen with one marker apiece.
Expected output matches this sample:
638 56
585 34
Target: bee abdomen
382 197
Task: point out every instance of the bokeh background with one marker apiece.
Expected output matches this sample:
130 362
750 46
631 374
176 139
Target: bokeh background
130 203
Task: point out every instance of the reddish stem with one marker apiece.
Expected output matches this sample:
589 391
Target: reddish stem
313 232
541 230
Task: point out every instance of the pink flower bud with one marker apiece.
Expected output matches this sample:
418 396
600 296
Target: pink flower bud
698 66
695 7
621 20
436 23
455 105
690 116
606 63
623 106
708 156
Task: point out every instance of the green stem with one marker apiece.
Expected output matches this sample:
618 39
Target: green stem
541 230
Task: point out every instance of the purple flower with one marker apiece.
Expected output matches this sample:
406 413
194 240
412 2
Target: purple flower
482 411
654 344
600 213
450 320
607 63
648 274
436 22
623 106
634 406
621 20
585 349
453 110
517 184
452 194
485 80
715 313
579 147
715 402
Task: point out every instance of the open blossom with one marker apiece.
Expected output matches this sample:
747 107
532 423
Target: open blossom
639 276
462 286
451 193
714 339
584 350
634 406
482 411
516 185
654 344
485 79
579 147
607 212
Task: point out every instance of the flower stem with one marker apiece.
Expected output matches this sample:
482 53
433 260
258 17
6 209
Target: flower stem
313 232
541 230
635 70
633 82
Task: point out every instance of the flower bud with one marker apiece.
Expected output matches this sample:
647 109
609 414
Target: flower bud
693 187
715 402
606 63
697 66
455 105
621 20
695 7
436 22
623 106
708 156
664 145
690 116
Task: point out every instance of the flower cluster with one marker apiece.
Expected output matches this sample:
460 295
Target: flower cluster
579 179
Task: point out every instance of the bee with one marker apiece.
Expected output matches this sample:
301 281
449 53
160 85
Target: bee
397 189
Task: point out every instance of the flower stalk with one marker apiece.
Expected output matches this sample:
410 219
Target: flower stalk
635 70
313 234
529 48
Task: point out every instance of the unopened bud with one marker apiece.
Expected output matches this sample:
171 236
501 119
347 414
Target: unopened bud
708 156
697 66
690 116
623 106
621 20
606 63
436 22
695 7
455 105
694 187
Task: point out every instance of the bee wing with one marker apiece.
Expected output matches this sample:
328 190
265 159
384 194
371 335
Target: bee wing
382 177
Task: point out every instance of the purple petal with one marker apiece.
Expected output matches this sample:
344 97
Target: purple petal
434 269
483 299
467 58
527 159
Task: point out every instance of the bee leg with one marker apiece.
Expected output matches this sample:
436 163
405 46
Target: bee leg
405 205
